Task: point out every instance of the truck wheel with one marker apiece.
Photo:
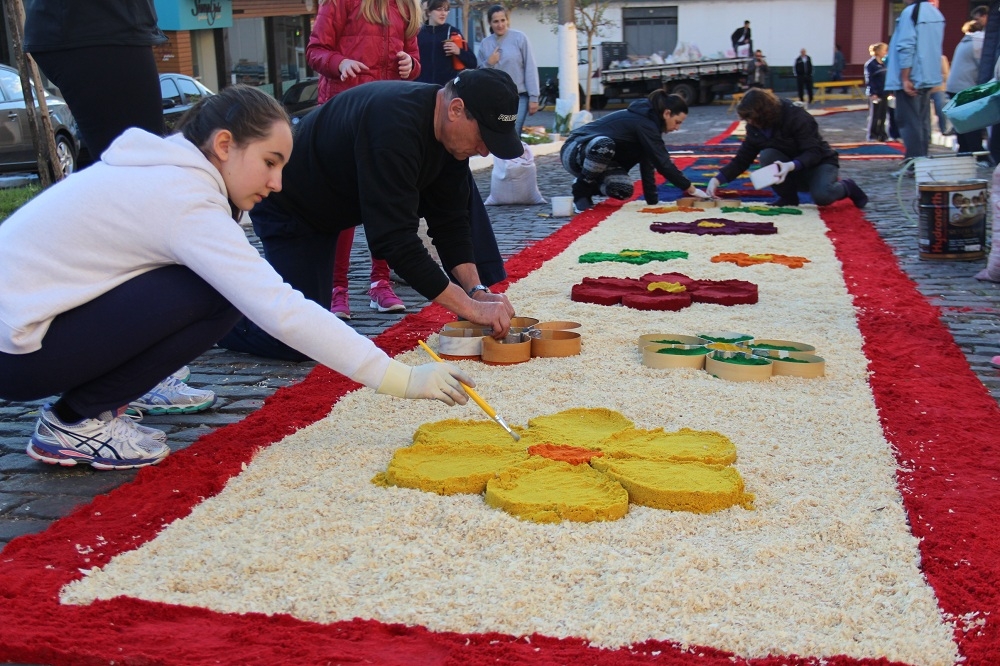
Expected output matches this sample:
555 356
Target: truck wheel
598 102
686 92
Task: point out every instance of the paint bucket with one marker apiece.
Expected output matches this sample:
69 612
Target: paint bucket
952 222
562 206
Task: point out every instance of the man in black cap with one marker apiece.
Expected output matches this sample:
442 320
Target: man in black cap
383 155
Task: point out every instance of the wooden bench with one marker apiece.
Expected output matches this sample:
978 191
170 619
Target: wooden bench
822 90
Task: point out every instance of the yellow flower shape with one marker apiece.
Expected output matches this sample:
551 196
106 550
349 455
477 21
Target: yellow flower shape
579 464
671 287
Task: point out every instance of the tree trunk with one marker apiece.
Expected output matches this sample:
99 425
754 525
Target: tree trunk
49 169
569 77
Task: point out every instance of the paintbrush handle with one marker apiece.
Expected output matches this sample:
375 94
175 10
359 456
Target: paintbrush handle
472 394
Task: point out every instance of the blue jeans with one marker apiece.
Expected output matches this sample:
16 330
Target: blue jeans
913 117
110 351
522 112
940 98
819 181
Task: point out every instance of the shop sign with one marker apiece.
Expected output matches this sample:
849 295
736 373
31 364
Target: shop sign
194 14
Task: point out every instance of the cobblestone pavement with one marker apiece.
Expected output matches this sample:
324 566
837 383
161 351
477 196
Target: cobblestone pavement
32 494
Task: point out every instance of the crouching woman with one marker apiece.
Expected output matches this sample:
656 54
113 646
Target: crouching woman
779 132
601 153
118 275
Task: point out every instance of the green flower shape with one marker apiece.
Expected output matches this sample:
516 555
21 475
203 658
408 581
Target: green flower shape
627 256
580 464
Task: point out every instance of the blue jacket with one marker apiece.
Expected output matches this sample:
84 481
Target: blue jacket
435 65
874 77
917 46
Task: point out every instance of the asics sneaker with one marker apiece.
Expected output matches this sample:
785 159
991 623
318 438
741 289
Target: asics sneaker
173 397
383 298
153 433
340 304
182 375
104 442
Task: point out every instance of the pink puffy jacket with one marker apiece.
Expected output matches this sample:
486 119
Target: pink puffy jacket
340 33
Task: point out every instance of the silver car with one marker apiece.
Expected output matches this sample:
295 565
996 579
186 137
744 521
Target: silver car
17 151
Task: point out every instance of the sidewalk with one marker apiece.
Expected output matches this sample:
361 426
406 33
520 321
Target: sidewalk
32 494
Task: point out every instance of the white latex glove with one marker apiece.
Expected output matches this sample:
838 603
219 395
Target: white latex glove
784 168
700 194
713 185
432 381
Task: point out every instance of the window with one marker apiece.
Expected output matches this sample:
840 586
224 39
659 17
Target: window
168 90
192 93
11 84
649 30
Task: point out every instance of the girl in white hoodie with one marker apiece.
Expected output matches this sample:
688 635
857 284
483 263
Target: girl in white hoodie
115 277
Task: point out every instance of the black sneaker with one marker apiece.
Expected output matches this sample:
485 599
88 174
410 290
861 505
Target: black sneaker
582 196
856 194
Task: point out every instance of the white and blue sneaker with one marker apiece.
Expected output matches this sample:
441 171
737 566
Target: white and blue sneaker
183 374
104 442
172 396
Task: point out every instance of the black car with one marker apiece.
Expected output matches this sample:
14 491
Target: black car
301 98
17 150
179 94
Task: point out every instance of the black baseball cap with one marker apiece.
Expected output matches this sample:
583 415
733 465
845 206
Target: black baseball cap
491 98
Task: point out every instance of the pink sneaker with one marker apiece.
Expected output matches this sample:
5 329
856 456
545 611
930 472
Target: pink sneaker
339 304
383 298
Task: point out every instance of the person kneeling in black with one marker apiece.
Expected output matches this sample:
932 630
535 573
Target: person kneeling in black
601 153
784 134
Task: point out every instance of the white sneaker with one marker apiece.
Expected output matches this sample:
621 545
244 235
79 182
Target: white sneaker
105 442
183 374
174 397
158 435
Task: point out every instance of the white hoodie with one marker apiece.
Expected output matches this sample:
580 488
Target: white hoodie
153 202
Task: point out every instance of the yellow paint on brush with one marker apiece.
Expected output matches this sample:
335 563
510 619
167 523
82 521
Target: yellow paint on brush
671 287
684 486
688 445
548 491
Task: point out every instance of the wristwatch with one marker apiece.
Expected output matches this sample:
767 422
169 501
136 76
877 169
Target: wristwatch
478 287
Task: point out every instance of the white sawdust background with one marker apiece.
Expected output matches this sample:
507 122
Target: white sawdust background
825 565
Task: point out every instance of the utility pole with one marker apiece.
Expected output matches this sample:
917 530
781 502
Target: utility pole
569 78
49 169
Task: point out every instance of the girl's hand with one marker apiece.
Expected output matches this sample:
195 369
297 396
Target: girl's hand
451 48
349 69
405 64
532 108
494 58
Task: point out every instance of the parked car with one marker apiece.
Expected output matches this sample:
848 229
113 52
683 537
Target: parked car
17 150
301 98
179 94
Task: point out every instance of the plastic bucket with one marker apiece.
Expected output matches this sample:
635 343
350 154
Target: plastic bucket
952 221
562 206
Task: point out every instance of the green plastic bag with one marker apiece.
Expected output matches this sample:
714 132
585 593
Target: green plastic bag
974 108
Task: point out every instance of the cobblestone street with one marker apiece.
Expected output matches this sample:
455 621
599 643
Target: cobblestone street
33 494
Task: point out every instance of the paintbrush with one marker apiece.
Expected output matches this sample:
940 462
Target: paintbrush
490 412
